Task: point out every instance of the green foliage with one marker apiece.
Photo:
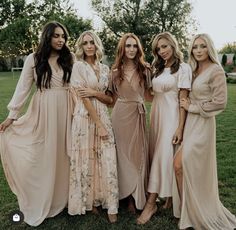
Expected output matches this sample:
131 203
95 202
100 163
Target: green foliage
145 19
234 59
231 80
21 25
228 48
224 59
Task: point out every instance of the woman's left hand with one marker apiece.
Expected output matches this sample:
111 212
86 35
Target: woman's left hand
178 136
86 92
184 103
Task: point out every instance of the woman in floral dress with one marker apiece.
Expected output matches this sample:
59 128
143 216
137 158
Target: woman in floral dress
93 170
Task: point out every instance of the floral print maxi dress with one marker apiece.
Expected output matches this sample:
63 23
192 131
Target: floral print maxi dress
93 164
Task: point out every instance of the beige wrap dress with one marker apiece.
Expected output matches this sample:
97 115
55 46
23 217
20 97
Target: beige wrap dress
129 124
201 206
93 163
34 148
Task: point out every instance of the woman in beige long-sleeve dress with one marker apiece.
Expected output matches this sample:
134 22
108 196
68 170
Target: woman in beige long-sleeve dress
130 81
171 81
34 147
93 168
198 203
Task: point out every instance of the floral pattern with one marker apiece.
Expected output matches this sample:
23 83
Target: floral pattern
93 164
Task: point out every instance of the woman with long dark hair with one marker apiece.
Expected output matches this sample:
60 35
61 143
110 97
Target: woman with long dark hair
33 147
130 82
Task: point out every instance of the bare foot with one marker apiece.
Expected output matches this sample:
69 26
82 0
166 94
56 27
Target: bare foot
168 203
131 205
112 218
149 210
95 211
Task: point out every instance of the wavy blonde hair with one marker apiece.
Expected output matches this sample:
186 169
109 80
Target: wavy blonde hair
159 63
80 55
210 47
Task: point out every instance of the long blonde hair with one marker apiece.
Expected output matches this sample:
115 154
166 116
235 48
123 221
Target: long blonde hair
159 63
98 44
210 47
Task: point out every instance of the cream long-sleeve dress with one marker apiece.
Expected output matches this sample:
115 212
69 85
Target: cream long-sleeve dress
129 124
164 120
93 163
201 207
34 148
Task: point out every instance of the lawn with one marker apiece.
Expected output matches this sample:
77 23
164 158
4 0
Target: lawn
226 149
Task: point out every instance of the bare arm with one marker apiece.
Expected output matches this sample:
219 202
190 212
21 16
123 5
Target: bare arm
148 95
177 139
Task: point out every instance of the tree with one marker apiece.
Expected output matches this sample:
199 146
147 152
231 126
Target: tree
224 59
228 48
145 19
19 29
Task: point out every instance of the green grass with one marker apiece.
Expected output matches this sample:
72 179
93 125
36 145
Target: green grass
226 149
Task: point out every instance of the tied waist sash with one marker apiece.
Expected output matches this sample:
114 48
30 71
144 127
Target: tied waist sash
140 104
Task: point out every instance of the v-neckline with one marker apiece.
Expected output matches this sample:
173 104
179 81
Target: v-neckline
205 70
97 77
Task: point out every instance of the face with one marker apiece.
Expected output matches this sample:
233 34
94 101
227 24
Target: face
131 48
88 46
164 49
58 39
199 50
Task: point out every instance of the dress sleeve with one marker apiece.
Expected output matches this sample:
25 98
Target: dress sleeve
148 81
23 88
185 76
217 103
78 75
111 87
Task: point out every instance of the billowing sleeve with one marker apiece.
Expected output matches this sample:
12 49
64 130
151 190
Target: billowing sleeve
23 88
218 101
185 76
78 75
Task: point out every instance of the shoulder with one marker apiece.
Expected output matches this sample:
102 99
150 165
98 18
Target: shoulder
79 64
217 70
30 60
185 66
104 67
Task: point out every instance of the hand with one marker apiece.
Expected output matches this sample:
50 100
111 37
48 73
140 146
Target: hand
86 92
184 103
102 132
5 124
178 137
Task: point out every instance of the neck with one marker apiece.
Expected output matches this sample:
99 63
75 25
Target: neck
54 53
204 64
129 63
169 62
90 60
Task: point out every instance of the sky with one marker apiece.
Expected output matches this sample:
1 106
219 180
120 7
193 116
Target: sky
215 17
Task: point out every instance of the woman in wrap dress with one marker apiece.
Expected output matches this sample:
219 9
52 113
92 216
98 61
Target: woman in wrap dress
197 202
129 83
